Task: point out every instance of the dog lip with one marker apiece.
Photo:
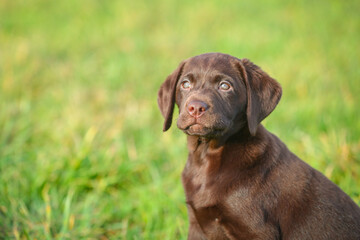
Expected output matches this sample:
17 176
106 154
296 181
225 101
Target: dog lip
198 128
202 130
196 125
190 125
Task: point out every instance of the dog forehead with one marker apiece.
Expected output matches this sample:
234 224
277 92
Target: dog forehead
212 64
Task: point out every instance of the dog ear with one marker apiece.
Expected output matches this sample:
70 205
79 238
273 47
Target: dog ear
263 93
166 96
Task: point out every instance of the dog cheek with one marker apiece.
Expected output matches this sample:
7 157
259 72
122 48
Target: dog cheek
178 99
182 120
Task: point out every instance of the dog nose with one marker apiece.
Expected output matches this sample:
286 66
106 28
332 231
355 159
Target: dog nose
196 108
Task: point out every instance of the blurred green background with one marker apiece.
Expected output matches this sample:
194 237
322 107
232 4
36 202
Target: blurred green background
82 154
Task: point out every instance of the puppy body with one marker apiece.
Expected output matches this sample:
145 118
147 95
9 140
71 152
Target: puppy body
253 187
241 181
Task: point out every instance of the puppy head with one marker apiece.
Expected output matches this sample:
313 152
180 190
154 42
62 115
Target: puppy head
218 94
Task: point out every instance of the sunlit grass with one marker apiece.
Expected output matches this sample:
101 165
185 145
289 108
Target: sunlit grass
82 154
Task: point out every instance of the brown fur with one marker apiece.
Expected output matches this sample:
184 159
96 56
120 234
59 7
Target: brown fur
241 181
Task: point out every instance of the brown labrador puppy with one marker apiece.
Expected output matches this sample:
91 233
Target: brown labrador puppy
241 181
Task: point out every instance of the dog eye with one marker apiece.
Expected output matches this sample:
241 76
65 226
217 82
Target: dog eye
185 84
224 86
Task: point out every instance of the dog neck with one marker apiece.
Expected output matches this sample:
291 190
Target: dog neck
242 144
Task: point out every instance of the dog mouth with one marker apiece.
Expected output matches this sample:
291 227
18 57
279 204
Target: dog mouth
207 126
198 129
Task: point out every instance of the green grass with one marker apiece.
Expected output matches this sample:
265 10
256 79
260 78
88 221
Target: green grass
82 154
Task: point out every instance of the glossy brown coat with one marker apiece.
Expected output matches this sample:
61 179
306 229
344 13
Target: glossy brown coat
241 181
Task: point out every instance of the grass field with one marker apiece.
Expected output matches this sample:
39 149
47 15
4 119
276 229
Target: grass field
82 154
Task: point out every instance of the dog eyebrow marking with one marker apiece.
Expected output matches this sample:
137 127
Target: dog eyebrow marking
219 77
190 75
